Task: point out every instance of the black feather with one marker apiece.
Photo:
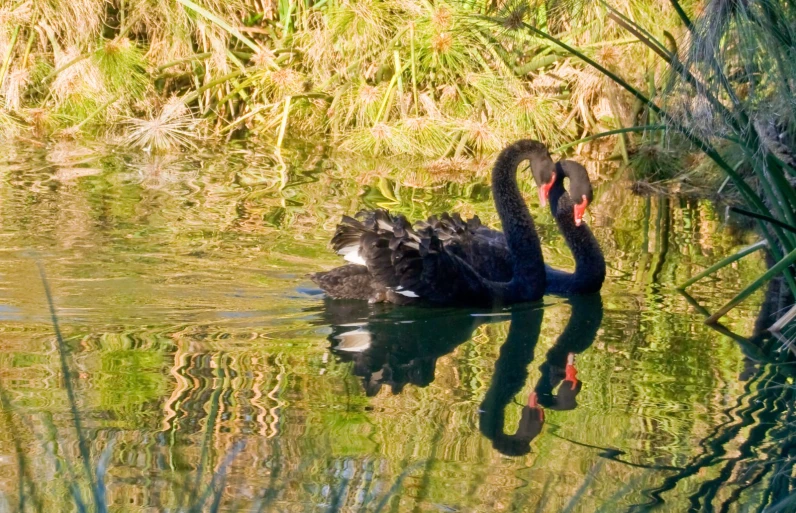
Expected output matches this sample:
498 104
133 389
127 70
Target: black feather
348 282
448 260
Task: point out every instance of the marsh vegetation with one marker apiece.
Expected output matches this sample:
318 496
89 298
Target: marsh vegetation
176 169
434 79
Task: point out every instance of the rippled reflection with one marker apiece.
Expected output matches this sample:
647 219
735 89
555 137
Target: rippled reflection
203 359
395 347
558 385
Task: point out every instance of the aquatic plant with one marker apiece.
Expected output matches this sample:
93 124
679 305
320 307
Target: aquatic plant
380 78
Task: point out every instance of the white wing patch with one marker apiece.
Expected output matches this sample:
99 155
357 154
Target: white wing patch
351 254
404 292
353 341
354 258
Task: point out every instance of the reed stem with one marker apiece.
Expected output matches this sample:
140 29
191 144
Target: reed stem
724 263
7 57
283 126
414 69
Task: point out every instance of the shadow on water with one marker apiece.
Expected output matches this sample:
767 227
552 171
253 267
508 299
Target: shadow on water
395 347
558 385
510 375
178 282
763 418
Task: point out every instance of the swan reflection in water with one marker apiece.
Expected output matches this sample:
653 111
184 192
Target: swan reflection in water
396 347
558 386
391 347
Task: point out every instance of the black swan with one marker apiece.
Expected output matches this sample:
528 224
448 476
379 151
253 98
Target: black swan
448 261
589 260
486 249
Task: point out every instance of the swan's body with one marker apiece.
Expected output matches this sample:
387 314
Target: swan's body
447 260
487 251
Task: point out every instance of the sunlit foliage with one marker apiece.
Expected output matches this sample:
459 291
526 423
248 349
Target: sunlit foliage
394 77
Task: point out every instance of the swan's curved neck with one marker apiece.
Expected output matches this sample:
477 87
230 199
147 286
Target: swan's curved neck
528 283
589 260
511 373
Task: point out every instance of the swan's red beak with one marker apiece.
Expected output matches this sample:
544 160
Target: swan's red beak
580 208
544 190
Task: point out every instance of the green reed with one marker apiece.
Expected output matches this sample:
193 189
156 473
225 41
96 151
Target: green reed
377 77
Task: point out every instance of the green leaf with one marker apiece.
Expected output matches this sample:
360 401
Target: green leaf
750 289
724 263
643 128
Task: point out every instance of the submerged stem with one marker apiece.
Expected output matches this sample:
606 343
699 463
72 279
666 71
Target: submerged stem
82 443
724 263
283 125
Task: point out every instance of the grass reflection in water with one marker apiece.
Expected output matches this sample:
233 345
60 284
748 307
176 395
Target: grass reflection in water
191 329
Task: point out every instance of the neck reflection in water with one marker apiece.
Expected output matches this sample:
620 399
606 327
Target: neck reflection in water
396 347
557 372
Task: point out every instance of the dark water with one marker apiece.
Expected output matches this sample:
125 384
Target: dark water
198 349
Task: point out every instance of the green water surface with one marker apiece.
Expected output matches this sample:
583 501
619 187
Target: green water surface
198 347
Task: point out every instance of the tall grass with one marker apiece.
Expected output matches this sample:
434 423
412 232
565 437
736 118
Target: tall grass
393 77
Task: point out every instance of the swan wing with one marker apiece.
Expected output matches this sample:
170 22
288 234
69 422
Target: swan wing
442 260
347 282
364 236
483 248
432 272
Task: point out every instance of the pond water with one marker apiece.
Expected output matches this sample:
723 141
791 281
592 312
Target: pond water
206 366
